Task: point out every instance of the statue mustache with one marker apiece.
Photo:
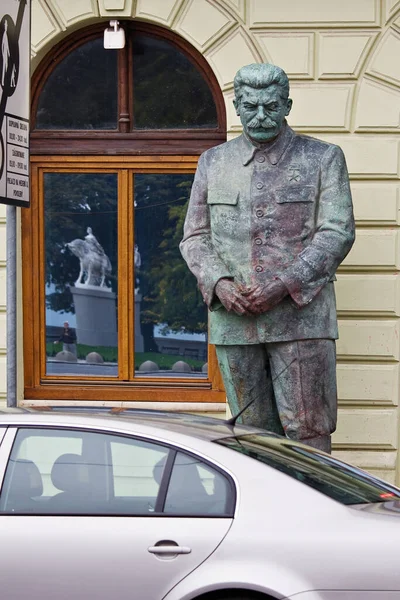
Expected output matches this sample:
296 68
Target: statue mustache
257 123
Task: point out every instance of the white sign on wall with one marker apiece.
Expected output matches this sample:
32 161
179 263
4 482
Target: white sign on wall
14 101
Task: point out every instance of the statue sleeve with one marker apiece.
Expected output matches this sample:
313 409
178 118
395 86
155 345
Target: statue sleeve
197 246
334 232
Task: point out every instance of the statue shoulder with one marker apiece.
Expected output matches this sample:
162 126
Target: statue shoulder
325 153
314 144
227 149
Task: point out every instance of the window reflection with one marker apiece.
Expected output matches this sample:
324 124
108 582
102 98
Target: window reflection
170 315
81 273
79 472
89 78
86 82
161 74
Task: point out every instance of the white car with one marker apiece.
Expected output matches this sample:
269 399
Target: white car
148 505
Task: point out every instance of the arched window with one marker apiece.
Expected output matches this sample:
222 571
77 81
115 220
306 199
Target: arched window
116 135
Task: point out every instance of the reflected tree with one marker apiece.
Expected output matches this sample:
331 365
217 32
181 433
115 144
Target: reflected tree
170 293
74 202
160 71
93 71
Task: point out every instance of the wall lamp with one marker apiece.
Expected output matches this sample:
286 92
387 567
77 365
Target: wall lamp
114 36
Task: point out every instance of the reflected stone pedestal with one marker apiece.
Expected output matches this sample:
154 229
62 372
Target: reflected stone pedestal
139 343
96 315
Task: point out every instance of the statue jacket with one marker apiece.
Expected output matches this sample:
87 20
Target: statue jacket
259 212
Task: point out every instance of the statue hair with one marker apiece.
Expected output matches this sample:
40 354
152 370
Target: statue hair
261 76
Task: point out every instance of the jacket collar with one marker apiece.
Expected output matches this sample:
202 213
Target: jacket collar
273 151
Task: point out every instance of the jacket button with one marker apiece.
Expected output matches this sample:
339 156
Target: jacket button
259 213
259 268
258 241
260 158
259 185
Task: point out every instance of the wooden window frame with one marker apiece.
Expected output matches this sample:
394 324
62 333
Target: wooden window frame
122 140
38 385
143 151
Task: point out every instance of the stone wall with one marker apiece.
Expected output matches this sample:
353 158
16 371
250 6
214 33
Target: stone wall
343 62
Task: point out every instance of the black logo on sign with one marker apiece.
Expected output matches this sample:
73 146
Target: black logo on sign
9 56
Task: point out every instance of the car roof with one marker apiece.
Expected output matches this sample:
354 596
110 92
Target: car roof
197 426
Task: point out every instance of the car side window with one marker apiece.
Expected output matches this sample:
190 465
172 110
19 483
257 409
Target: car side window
197 489
136 478
58 471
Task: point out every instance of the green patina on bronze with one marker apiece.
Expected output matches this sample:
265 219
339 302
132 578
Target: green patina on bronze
269 221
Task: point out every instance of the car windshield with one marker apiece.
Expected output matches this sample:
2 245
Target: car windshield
324 473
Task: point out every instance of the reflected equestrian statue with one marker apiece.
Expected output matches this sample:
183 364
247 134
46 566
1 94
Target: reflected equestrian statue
92 241
95 265
270 219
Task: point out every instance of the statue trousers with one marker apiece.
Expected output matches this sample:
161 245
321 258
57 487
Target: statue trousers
292 386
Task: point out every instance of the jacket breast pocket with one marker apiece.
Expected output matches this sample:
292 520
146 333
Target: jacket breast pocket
222 197
298 193
224 213
294 212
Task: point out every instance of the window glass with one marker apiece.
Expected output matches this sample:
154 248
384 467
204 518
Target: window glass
196 489
170 315
161 72
81 275
78 472
137 471
28 483
161 75
326 474
82 91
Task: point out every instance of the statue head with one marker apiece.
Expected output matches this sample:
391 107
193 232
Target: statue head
262 100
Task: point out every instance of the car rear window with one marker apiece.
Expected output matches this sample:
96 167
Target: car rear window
326 474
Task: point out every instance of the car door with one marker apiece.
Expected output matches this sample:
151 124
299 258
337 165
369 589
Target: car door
91 515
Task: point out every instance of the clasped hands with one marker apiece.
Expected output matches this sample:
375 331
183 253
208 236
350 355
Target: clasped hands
250 300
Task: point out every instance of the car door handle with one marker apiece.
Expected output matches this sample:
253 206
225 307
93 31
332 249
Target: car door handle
163 550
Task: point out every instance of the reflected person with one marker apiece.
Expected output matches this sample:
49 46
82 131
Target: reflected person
269 220
68 339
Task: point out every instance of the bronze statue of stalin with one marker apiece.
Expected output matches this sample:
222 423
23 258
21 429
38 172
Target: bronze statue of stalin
270 219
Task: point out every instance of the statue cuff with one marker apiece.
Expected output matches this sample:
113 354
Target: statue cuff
301 283
207 289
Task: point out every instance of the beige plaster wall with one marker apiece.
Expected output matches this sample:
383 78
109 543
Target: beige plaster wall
342 59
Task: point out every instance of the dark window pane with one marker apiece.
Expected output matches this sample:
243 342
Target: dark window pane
170 315
81 92
81 232
169 92
196 489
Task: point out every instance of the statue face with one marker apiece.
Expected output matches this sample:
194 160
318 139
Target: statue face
262 112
